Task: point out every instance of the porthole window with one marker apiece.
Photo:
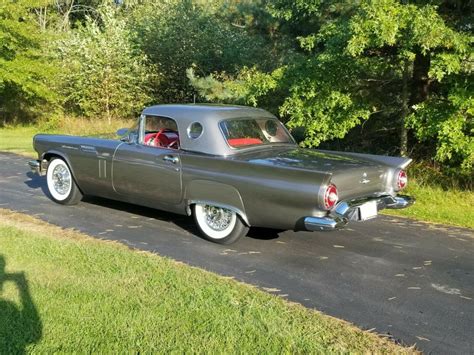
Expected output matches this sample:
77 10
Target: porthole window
271 127
195 130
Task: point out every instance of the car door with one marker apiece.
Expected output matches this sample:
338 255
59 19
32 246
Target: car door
148 174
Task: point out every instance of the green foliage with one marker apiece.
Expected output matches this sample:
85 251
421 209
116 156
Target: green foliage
401 71
246 88
25 71
104 75
432 175
448 120
176 36
400 63
444 114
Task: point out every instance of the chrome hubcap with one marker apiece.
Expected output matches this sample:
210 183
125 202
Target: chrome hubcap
61 179
218 218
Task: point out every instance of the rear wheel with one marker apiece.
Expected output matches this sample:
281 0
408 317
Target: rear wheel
61 184
219 225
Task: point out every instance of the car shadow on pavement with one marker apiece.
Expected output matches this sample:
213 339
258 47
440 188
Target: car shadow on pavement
20 325
263 233
37 182
184 222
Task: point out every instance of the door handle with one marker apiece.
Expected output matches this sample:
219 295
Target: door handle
171 159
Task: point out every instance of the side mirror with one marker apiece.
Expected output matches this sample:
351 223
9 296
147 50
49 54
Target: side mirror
122 131
124 134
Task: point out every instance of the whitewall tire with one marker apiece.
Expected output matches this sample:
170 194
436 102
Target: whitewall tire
219 225
61 184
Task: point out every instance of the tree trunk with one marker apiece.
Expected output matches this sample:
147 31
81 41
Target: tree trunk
107 108
42 17
420 84
414 92
405 109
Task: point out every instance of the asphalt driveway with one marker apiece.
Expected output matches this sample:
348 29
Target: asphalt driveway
409 280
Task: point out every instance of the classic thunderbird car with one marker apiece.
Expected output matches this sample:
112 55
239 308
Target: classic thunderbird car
231 167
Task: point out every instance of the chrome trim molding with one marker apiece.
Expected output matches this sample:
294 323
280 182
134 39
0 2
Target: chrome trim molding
324 223
35 166
38 166
346 211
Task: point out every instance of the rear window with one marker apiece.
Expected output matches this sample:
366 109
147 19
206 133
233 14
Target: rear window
245 132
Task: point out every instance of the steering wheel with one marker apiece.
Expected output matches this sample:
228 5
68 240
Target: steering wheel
173 144
154 138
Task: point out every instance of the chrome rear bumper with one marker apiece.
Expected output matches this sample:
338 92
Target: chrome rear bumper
346 211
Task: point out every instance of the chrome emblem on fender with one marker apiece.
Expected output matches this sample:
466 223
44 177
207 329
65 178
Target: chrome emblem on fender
364 179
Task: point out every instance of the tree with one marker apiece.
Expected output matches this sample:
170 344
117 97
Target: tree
25 69
367 59
181 34
104 75
422 46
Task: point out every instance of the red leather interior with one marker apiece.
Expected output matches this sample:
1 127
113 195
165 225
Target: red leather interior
149 137
238 142
163 138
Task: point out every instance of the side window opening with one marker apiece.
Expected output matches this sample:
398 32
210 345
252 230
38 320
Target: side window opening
161 132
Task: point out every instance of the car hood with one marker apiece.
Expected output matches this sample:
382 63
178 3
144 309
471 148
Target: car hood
307 159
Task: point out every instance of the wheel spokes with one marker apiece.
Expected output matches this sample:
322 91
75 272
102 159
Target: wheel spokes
218 218
61 179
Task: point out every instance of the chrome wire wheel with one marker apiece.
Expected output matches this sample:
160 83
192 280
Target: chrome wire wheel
61 184
215 222
218 218
61 179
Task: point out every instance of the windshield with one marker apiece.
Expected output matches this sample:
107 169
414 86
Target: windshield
254 131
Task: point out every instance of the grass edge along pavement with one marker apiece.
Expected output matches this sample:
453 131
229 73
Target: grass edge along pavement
101 296
451 206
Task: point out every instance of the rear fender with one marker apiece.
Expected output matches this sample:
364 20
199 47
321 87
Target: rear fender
395 162
216 194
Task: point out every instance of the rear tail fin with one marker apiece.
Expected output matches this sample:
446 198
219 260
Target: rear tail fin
396 162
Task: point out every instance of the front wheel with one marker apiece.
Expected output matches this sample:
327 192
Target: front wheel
61 184
219 225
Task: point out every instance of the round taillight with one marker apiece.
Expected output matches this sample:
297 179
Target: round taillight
402 179
330 197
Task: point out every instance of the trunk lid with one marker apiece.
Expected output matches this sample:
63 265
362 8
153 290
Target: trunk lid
354 176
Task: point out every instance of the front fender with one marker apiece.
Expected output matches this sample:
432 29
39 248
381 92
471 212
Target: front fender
51 153
55 153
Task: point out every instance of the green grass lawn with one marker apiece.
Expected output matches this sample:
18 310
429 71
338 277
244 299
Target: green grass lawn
18 139
64 292
433 204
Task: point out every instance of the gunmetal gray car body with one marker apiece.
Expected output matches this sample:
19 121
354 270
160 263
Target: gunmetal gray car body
237 164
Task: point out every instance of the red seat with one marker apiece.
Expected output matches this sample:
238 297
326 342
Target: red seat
238 142
166 139
163 138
